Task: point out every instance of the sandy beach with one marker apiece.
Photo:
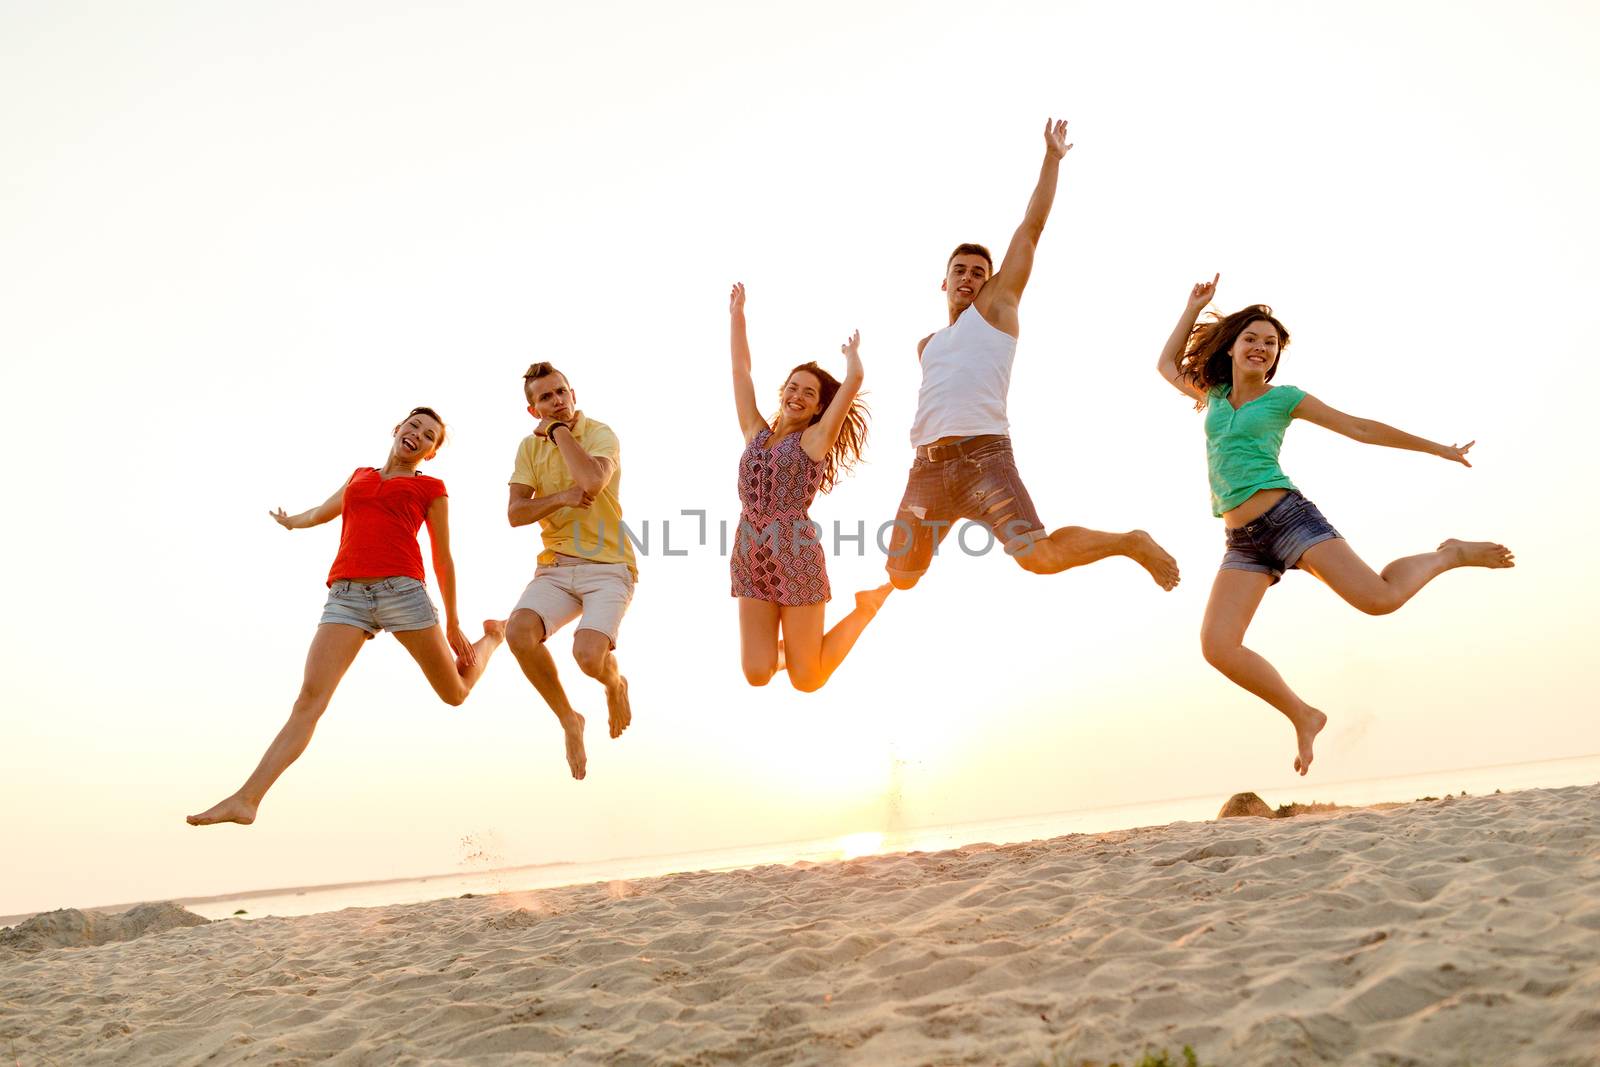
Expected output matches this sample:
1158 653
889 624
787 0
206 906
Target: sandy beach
1461 931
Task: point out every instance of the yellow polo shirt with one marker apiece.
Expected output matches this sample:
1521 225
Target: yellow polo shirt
576 531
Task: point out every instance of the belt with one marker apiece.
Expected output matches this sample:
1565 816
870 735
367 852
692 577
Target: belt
957 449
563 560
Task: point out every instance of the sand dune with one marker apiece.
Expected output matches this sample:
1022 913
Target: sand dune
71 928
1460 931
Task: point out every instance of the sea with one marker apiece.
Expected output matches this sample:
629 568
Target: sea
306 900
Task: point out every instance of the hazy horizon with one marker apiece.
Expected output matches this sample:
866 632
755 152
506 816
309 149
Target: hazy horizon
473 873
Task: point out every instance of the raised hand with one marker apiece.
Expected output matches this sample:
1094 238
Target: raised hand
736 299
1055 138
1202 292
281 517
1457 453
852 354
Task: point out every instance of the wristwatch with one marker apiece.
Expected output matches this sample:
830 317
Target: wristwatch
550 431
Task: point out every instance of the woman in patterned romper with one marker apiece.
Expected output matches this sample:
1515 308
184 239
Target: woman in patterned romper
780 574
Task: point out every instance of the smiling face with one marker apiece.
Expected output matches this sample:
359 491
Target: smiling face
801 397
1255 351
417 438
550 397
963 279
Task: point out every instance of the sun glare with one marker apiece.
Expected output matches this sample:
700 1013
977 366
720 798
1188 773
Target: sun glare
865 843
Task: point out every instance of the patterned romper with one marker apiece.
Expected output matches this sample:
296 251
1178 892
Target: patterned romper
773 557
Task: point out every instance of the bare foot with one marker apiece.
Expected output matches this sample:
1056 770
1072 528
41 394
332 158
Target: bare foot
619 712
1479 554
1306 729
495 628
577 759
233 809
870 600
1152 557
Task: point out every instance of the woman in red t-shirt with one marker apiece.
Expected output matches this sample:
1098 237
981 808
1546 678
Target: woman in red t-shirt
377 583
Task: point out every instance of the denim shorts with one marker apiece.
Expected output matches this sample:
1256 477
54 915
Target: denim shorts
982 486
393 604
1275 542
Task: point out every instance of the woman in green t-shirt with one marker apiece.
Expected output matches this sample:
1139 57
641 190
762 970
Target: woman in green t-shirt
1225 365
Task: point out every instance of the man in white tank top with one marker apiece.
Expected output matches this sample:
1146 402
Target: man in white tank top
964 468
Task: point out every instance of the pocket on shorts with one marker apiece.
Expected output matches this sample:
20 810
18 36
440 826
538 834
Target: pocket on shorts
1286 512
405 605
1240 539
997 477
995 455
924 490
999 500
626 579
341 590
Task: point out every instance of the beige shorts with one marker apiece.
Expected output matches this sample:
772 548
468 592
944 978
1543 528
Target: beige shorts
598 592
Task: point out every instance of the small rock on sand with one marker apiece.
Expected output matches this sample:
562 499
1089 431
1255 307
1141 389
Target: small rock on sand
1241 805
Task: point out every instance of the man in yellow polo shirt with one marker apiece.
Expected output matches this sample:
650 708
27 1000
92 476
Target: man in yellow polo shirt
567 479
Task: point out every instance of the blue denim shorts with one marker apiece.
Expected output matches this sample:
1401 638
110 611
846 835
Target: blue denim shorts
982 486
393 604
1275 542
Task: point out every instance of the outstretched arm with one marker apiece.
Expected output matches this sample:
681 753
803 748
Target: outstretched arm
818 440
1004 290
1199 297
326 511
744 389
444 569
1369 432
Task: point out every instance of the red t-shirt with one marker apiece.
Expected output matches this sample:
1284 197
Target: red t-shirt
381 518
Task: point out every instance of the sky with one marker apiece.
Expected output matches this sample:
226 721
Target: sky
240 242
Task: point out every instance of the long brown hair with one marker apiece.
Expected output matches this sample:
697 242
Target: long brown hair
852 439
1206 361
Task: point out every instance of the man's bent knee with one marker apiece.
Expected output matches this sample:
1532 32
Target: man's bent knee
1035 551
589 650
525 629
1035 561
902 580
759 674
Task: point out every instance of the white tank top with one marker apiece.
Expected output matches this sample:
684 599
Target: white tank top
966 373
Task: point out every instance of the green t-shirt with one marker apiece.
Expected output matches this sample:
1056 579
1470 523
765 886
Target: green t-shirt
1242 446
